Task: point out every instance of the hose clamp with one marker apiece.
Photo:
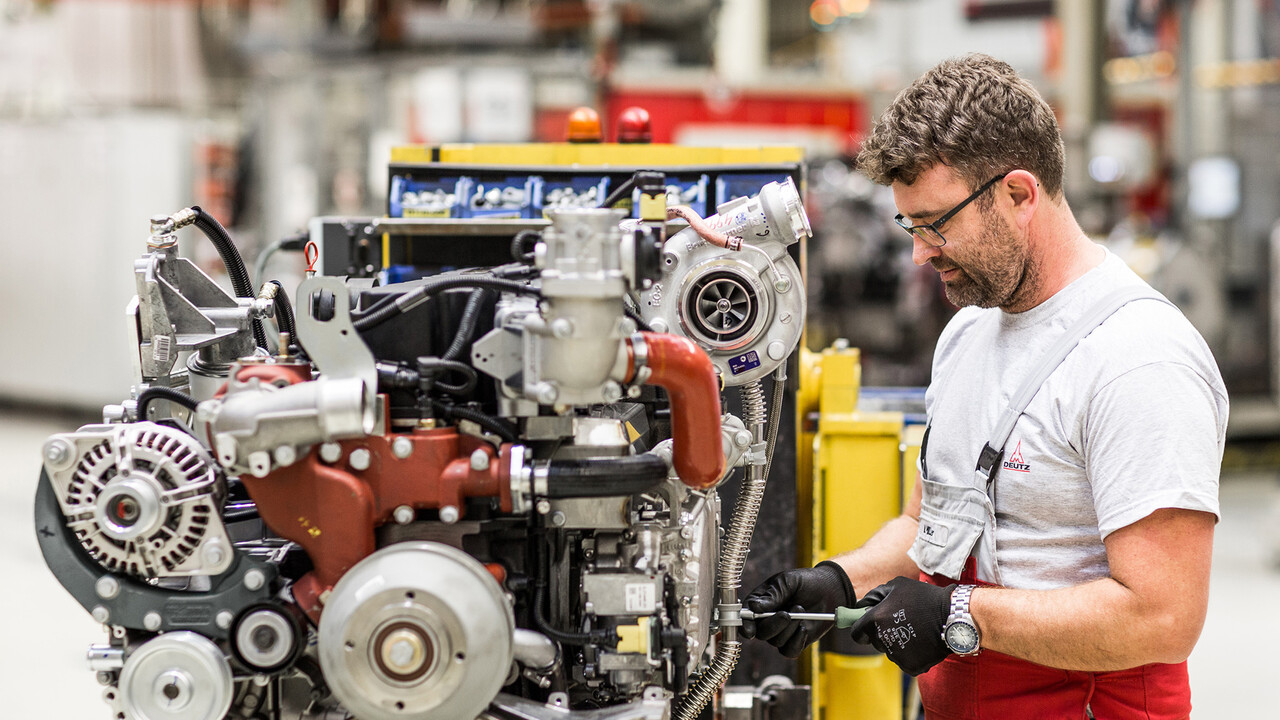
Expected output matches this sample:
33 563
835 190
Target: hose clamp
639 351
541 475
521 480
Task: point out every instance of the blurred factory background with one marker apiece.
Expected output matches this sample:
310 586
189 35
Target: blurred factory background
269 112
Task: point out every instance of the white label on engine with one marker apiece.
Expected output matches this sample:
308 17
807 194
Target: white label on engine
641 598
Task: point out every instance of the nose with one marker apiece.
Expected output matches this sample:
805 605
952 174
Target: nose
922 252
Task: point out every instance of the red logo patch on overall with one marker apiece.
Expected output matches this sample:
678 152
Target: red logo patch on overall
1015 462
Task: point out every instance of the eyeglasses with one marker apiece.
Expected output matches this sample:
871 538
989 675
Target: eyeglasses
929 233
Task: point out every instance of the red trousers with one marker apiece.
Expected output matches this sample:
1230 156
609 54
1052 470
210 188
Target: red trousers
994 686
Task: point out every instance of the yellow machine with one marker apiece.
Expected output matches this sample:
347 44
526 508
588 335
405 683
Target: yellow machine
854 470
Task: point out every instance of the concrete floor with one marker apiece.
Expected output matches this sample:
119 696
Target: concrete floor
44 675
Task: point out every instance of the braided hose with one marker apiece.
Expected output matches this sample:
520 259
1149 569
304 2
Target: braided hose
737 542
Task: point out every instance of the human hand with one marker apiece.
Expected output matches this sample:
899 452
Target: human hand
904 621
821 588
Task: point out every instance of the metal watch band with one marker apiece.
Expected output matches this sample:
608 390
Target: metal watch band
960 615
960 600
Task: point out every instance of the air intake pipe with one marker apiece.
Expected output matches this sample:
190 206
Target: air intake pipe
681 368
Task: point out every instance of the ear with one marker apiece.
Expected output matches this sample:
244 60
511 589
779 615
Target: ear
1023 190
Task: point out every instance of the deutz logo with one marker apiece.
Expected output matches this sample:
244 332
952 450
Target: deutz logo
1015 462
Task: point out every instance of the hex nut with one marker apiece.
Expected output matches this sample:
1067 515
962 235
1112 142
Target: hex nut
59 454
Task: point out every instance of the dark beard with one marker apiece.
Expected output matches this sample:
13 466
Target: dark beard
999 277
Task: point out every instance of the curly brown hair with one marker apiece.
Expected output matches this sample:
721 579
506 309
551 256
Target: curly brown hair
973 114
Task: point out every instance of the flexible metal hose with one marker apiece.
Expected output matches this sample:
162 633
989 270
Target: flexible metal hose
709 682
737 542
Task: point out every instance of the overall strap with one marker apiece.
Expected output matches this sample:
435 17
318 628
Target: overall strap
993 451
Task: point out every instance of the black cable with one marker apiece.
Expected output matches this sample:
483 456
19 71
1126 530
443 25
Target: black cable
420 293
429 367
488 422
377 305
146 397
619 192
467 324
594 637
284 313
232 259
518 253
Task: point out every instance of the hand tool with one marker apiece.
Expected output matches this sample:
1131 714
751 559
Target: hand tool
843 617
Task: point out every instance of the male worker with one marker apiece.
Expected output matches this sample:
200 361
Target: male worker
1070 571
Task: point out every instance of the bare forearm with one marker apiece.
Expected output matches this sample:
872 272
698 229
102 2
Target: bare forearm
1101 625
883 557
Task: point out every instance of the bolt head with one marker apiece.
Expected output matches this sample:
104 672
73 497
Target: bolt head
286 455
558 518
547 393
403 515
107 587
479 460
360 459
214 552
402 447
58 453
543 507
104 678
611 391
330 452
152 621
449 514
101 614
255 579
223 619
742 439
562 328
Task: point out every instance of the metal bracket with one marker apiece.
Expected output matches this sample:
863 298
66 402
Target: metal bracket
334 345
133 600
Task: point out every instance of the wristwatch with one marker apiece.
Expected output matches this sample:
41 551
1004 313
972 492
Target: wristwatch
960 633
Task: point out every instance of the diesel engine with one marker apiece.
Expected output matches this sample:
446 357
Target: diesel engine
489 492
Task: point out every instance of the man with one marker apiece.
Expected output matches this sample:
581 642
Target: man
1071 571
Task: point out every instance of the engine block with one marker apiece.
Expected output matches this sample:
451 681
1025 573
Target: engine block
488 493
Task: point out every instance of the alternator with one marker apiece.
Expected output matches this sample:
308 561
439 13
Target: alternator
142 499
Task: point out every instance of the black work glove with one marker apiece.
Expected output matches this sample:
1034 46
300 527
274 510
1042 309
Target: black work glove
817 589
905 622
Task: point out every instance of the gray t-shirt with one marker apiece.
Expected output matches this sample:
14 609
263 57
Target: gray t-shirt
1133 421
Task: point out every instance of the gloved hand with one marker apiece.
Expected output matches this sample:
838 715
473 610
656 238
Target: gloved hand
905 622
817 589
